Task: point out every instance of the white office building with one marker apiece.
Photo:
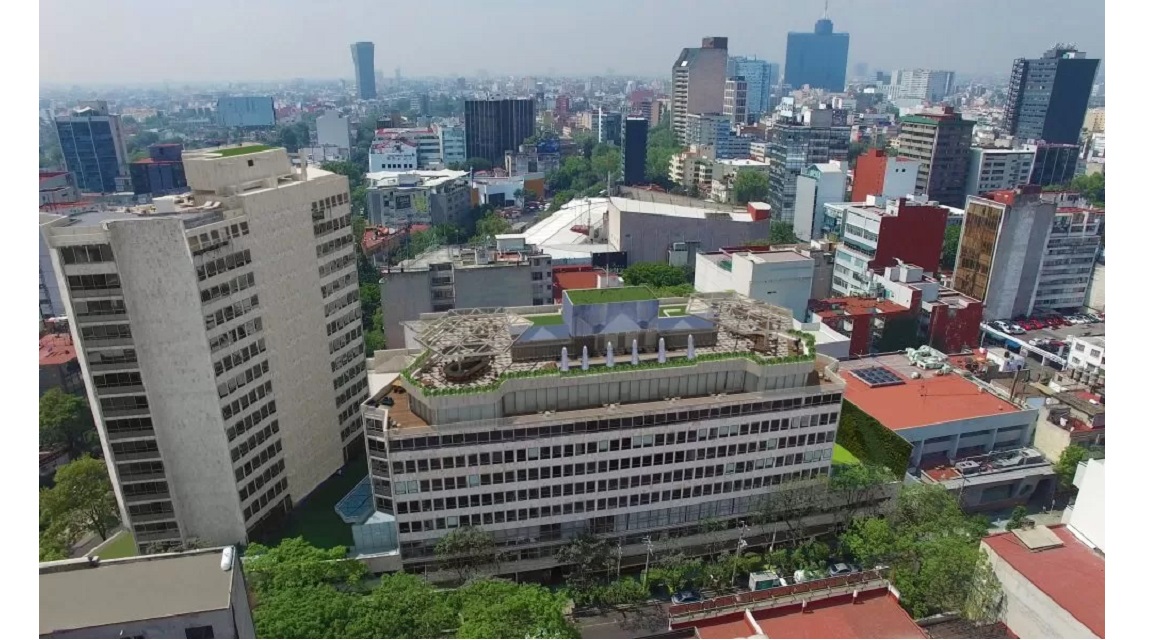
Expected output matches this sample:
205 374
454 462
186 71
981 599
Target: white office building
817 186
393 155
451 140
780 277
922 84
1087 354
994 169
621 421
332 131
219 336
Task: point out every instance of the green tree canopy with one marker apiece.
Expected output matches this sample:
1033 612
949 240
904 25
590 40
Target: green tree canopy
951 246
65 421
402 606
654 274
502 609
477 164
559 200
779 233
467 551
296 563
750 186
1089 186
1069 460
491 225
81 501
662 145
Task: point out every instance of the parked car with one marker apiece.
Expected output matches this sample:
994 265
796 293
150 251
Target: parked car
1015 329
842 569
1001 326
686 597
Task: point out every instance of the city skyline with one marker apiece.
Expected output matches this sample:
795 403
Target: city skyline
232 51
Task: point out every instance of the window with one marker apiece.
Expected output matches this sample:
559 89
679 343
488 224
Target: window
202 632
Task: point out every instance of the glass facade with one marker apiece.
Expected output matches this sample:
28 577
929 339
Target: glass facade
91 152
818 59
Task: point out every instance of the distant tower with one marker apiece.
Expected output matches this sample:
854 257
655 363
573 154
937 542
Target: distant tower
1048 96
364 61
818 59
635 156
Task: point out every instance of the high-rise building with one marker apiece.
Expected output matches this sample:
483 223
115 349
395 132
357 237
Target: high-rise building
635 156
201 322
246 112
364 62
736 100
1048 96
816 186
161 173
1001 250
997 169
332 130
547 427
1055 164
818 59
492 127
606 126
762 77
708 129
92 143
800 140
698 77
923 84
878 174
940 140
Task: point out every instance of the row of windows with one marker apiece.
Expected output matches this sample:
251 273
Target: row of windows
324 204
107 332
345 320
337 284
145 488
94 282
124 403
112 356
343 378
224 265
232 336
606 466
353 408
156 528
339 343
240 380
333 245
86 253
110 380
255 440
230 312
346 432
632 422
96 308
258 483
352 391
135 446
265 499
600 486
150 509
243 402
343 360
212 239
241 356
328 226
338 264
223 290
128 425
252 420
602 504
129 469
255 463
334 306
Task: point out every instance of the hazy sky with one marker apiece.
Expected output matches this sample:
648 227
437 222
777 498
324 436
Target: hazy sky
103 41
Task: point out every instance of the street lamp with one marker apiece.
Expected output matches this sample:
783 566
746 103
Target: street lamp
647 556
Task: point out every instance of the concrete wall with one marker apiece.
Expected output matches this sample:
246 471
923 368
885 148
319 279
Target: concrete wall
805 211
785 284
1017 259
1095 296
970 432
1029 612
647 237
403 296
332 129
1086 516
173 627
176 366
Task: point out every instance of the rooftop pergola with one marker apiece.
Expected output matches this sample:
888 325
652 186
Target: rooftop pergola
739 314
461 334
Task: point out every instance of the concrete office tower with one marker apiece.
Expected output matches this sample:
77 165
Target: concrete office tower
940 140
736 100
818 59
1002 247
878 174
698 77
493 427
364 62
1070 254
800 140
635 156
818 185
997 169
762 77
492 127
922 84
92 143
332 130
219 335
1048 96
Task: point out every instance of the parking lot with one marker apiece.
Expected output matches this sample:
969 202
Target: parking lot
1051 339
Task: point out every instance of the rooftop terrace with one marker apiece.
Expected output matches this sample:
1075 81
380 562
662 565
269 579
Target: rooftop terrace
610 295
228 152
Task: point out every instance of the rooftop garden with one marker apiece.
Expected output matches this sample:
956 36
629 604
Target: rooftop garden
606 296
121 545
546 319
239 151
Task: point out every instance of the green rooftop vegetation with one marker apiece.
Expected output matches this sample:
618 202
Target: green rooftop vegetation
546 319
239 151
120 545
606 296
840 455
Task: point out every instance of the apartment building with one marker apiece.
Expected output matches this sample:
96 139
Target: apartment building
800 139
926 85
451 143
607 416
818 185
399 198
736 100
875 237
940 140
461 278
397 149
693 168
1087 354
996 169
1069 261
878 174
698 78
219 335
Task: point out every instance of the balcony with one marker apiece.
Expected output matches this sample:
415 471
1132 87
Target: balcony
136 456
104 392
102 367
142 477
147 497
153 517
87 320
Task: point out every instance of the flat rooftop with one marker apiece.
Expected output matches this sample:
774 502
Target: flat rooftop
918 402
56 349
76 595
570 225
461 258
1071 574
610 295
874 614
767 256
186 208
663 204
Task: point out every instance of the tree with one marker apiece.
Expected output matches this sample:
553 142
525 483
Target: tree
288 140
466 550
855 487
1089 186
53 546
793 503
295 563
605 162
490 225
750 186
675 572
478 164
589 560
951 246
662 145
559 200
65 421
654 274
1065 467
81 501
1019 517
781 233
624 592
308 611
401 606
501 609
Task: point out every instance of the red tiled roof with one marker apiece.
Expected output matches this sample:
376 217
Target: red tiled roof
875 614
854 307
733 625
1072 575
56 349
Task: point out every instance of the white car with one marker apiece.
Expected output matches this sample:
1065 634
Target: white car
1016 329
1001 326
842 569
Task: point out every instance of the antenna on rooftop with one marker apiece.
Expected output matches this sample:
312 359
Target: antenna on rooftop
825 9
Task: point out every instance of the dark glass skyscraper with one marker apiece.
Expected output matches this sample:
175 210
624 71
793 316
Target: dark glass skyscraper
492 127
93 148
818 59
635 156
1048 96
364 59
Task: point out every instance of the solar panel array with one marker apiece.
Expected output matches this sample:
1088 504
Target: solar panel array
877 377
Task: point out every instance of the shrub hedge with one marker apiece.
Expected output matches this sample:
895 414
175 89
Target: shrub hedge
871 441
